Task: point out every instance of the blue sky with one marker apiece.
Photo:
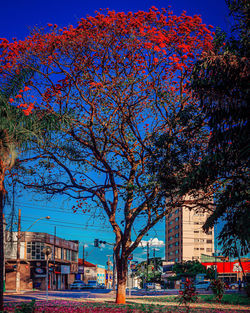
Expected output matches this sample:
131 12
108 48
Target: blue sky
17 20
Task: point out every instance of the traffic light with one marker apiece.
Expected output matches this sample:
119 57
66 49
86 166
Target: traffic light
97 242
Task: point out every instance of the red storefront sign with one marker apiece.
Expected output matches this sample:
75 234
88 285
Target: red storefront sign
229 267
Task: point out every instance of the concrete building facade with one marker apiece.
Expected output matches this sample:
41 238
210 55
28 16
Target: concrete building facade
184 238
62 262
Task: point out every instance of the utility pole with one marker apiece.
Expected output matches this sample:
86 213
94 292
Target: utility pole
114 281
147 262
108 263
154 265
54 259
83 259
18 262
47 251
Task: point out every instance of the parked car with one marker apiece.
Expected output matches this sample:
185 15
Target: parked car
77 284
153 286
101 286
234 286
202 285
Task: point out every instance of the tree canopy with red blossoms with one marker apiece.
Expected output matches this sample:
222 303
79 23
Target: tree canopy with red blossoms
116 80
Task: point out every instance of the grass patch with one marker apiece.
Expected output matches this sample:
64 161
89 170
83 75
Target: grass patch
233 299
73 307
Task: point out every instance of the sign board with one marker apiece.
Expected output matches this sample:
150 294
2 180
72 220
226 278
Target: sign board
237 267
65 269
80 269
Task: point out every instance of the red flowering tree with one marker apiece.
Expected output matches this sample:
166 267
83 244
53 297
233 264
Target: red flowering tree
115 81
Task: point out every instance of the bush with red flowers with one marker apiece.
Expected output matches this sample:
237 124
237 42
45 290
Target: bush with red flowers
218 288
188 294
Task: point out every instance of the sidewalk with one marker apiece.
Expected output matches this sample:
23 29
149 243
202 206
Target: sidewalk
13 292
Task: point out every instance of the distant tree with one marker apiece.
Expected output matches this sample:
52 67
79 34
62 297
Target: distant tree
189 269
149 272
119 78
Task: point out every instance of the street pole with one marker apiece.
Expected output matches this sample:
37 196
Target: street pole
113 271
47 251
18 262
47 276
83 258
108 263
147 263
54 259
154 265
129 278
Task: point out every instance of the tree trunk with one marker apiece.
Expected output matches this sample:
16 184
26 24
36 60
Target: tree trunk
122 271
1 250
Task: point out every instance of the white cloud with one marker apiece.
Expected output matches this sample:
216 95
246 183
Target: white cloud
153 242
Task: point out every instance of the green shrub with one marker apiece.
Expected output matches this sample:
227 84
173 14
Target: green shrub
26 307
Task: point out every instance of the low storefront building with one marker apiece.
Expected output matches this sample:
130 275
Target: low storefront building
62 261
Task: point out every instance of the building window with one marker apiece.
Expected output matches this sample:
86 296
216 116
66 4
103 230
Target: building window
176 235
196 232
68 255
170 246
35 251
176 251
209 241
74 256
210 232
196 248
170 230
171 214
209 250
176 260
176 211
170 238
176 219
170 223
176 227
62 253
177 243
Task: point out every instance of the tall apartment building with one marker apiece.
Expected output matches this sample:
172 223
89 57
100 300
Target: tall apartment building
184 238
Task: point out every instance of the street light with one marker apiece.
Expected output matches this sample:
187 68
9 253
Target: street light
41 218
19 236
